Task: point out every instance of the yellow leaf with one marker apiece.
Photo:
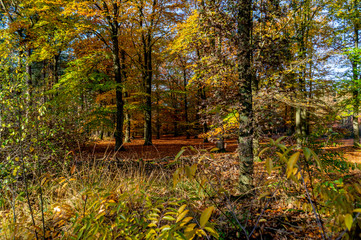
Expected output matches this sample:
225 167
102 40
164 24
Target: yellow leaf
269 165
182 215
181 208
291 163
348 221
206 214
152 225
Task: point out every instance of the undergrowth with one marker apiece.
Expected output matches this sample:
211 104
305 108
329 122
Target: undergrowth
295 196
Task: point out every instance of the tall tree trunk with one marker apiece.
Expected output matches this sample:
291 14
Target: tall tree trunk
246 78
126 94
119 89
158 113
148 98
186 102
205 125
355 91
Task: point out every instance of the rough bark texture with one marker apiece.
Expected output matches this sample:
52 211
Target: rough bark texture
245 136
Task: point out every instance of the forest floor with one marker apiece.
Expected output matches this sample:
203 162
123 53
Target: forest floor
169 146
281 218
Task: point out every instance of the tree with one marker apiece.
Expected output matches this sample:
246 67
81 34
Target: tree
246 84
347 15
104 19
152 22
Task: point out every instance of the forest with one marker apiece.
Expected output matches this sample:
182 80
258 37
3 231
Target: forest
180 119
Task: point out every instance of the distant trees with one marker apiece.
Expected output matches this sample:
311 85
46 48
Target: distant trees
347 16
244 68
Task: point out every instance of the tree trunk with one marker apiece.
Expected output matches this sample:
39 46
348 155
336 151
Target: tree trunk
119 89
158 116
127 138
148 98
245 136
298 120
355 91
205 125
186 102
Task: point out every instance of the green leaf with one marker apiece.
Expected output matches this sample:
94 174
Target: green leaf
165 228
212 231
348 221
169 218
179 154
316 158
262 151
307 153
206 214
280 139
214 149
281 146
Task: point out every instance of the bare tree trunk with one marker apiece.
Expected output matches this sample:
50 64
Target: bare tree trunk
205 125
148 72
355 92
119 89
186 101
127 138
158 117
245 71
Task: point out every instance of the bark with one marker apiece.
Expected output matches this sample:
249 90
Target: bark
158 125
127 138
205 125
186 102
245 136
298 121
355 92
119 89
148 98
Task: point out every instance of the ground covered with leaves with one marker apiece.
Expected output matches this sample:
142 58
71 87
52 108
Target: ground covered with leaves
180 192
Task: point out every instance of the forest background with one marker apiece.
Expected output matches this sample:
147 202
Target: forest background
76 73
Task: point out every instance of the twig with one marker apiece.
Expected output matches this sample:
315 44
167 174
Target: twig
313 206
24 173
264 208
